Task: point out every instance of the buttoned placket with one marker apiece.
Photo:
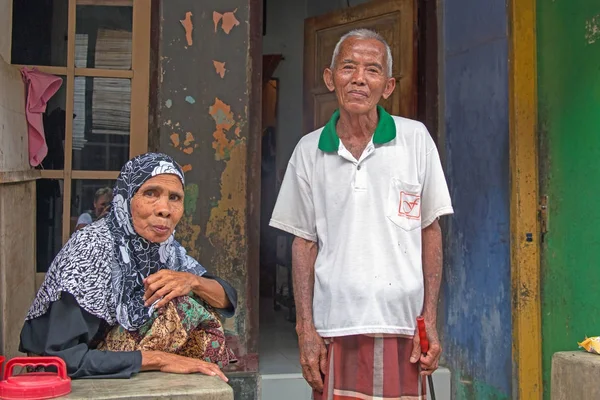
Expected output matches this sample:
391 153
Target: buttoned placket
360 173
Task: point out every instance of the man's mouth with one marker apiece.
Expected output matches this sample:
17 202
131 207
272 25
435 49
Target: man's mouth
358 93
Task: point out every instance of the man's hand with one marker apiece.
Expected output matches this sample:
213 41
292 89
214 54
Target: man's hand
175 364
429 362
313 357
167 285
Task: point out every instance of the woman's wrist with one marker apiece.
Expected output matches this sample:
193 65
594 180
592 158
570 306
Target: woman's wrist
153 360
198 286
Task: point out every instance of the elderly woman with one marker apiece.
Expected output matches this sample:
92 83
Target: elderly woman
122 296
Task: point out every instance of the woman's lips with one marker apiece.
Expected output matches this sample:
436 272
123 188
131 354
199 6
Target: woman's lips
161 229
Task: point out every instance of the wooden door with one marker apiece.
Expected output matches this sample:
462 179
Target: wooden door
395 20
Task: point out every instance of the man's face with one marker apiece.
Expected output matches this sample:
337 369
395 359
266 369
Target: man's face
359 78
101 204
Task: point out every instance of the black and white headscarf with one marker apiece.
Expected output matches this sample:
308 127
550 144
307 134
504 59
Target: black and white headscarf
104 264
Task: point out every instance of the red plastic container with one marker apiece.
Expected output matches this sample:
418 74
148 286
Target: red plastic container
35 385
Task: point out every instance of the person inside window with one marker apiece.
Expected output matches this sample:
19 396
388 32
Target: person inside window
122 296
102 199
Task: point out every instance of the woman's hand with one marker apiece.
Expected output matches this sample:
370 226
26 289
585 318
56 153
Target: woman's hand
172 363
165 285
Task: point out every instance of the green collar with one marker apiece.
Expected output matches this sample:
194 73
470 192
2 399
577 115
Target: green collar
329 141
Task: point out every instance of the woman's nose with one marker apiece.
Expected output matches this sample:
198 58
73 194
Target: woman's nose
162 207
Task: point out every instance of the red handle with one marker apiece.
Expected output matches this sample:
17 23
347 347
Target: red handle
423 335
37 362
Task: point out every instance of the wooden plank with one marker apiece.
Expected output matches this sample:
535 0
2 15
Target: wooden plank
46 69
14 154
52 174
17 282
104 73
112 3
104 175
6 32
140 84
19 176
69 122
525 232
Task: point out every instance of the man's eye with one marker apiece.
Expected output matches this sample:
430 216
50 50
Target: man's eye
175 197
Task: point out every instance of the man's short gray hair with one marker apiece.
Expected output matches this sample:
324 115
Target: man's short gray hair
364 34
103 191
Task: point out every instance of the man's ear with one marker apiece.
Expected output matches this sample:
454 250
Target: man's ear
328 79
389 88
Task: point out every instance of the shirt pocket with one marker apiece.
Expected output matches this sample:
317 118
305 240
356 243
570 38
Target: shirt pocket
404 204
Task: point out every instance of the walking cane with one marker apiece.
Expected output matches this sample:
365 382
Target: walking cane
424 349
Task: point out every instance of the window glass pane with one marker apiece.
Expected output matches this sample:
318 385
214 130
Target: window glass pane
54 129
103 37
101 124
39 32
48 221
90 199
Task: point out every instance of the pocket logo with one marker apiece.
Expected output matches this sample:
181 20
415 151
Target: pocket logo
410 205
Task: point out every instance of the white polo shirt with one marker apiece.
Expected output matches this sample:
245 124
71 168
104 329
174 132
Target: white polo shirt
366 216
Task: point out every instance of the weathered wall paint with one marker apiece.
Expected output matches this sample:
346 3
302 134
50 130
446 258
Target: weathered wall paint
569 116
475 316
212 128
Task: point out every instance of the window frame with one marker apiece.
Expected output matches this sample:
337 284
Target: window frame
139 74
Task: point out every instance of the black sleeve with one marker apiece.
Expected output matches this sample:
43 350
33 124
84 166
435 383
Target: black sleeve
66 331
231 295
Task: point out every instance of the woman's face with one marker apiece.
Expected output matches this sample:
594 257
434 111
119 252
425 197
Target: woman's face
157 207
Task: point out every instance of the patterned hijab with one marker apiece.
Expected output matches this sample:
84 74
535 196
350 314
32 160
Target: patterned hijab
104 264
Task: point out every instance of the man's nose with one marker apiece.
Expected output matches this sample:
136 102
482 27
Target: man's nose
358 78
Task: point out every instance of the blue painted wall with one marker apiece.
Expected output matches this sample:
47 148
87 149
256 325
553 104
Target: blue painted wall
476 311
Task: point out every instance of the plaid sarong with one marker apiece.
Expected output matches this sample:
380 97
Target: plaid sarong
371 368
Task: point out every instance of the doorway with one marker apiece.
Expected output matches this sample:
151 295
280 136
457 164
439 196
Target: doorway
304 33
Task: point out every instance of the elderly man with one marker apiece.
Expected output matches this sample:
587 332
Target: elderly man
362 196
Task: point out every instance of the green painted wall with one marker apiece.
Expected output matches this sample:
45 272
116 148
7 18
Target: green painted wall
568 34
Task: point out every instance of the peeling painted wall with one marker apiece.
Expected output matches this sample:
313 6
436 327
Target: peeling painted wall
208 113
476 311
568 37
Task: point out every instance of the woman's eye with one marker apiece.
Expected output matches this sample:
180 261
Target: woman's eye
149 193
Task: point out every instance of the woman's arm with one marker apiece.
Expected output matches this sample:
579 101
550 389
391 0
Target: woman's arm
172 363
211 291
66 331
165 285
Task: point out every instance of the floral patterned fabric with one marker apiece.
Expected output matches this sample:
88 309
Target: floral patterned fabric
186 326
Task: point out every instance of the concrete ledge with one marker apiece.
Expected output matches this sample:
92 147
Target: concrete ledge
575 376
152 385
